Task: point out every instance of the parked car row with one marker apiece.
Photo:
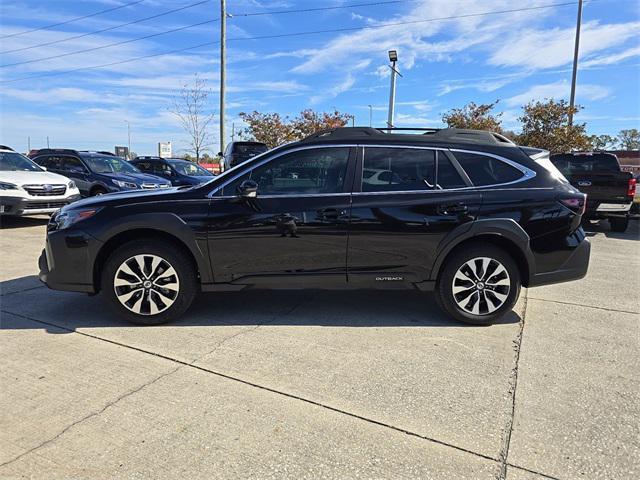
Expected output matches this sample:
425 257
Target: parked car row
48 179
466 214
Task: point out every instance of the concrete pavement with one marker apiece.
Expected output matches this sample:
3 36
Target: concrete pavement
311 384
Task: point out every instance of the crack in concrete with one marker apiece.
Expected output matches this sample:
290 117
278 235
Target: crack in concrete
582 305
502 462
3 294
513 384
91 415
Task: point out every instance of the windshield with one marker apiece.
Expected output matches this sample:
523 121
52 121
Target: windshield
249 148
108 164
189 168
14 162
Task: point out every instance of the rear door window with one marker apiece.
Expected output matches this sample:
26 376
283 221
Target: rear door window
448 176
484 170
398 169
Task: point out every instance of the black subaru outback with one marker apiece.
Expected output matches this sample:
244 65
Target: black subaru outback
465 213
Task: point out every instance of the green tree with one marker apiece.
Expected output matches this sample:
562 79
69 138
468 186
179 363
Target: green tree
603 142
545 124
274 130
474 116
629 139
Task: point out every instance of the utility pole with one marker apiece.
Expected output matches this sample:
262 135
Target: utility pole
28 144
47 141
223 73
576 51
370 114
129 137
233 131
393 58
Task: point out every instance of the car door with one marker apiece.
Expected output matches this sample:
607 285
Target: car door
406 200
295 226
77 171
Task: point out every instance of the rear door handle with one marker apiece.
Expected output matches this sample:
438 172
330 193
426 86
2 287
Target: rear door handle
453 208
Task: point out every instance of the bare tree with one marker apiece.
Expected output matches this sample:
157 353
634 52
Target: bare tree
190 106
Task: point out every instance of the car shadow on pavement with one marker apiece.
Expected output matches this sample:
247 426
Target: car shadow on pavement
7 221
592 229
64 312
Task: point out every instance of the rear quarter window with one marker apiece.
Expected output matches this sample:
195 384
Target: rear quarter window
484 170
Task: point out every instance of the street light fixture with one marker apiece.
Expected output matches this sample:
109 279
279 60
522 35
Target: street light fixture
393 58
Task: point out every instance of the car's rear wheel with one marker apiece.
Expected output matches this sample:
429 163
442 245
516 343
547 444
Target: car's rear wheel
619 224
149 282
478 284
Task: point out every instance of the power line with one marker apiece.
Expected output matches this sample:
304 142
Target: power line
280 36
47 27
108 45
115 27
316 9
250 14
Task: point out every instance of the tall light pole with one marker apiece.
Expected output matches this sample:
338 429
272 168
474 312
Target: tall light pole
393 58
576 51
223 73
370 115
129 138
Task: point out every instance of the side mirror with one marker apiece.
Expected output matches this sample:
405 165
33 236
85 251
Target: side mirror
219 154
248 189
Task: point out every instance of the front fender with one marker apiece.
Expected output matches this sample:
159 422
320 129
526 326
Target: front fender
165 223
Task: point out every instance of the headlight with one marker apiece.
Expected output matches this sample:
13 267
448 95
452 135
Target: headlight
71 185
65 219
122 184
8 186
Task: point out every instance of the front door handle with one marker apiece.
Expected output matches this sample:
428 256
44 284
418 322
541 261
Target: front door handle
452 208
332 213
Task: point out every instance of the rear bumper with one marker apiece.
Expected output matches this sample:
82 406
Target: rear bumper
574 268
606 210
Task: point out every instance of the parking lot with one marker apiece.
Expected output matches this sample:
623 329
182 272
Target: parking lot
315 384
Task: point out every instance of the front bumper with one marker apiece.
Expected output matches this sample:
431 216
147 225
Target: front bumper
67 261
574 268
21 206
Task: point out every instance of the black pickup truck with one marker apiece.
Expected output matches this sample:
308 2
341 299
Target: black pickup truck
609 190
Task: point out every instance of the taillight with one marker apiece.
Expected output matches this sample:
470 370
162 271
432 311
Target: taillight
577 204
631 189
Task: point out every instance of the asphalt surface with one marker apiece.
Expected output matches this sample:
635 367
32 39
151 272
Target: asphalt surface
314 384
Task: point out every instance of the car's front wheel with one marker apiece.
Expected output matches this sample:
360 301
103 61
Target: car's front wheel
149 282
478 284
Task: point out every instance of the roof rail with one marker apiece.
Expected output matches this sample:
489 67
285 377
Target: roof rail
147 157
449 134
67 151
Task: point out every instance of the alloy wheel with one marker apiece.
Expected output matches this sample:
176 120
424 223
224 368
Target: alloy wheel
481 286
146 284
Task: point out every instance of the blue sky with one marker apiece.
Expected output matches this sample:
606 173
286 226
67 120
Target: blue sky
514 57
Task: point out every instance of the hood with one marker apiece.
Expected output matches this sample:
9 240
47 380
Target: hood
27 178
137 178
125 196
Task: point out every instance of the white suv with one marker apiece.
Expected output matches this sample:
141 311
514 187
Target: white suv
28 189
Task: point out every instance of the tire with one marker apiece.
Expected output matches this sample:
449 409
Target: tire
474 302
95 191
619 224
163 294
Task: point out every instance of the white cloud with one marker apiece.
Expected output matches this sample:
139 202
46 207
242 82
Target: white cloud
610 59
558 90
548 48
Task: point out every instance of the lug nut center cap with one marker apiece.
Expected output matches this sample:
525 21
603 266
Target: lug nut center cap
480 286
147 284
